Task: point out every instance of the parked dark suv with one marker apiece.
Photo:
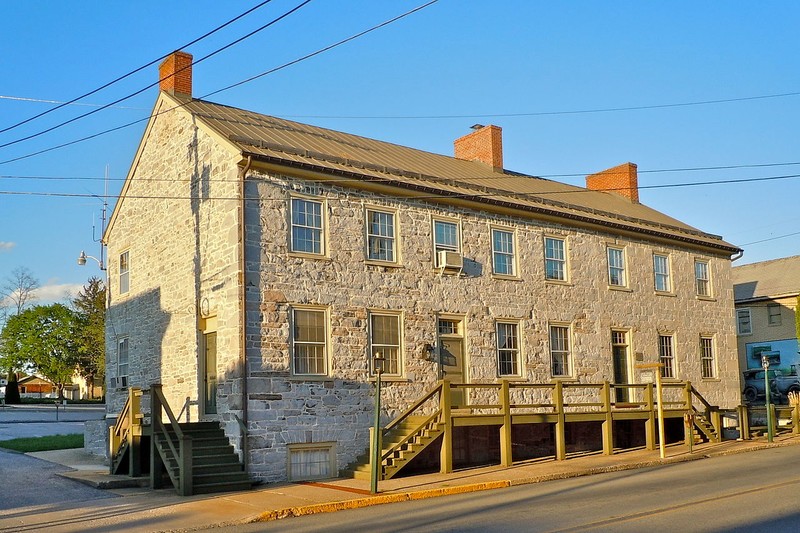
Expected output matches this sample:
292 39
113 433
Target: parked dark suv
754 383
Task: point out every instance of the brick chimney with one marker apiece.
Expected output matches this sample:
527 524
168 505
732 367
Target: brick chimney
485 144
175 74
621 180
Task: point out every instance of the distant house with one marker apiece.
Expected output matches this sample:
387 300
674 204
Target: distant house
257 265
765 296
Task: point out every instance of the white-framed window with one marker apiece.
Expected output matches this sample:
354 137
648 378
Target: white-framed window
702 278
774 317
124 272
744 325
508 348
503 255
560 350
445 238
123 354
310 461
555 259
381 236
616 267
309 342
666 355
385 338
308 226
661 273
708 363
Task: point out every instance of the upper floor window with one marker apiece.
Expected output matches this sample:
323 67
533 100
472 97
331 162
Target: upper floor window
381 239
702 278
661 273
666 356
560 354
307 227
708 364
743 324
124 272
503 252
445 238
507 348
555 259
774 315
384 339
309 342
616 267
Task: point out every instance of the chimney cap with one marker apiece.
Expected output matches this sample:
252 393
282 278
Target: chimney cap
477 127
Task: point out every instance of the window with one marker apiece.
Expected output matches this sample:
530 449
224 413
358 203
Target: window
503 252
555 259
381 236
560 351
707 362
666 356
661 273
507 349
307 227
122 360
743 324
445 238
774 315
308 461
616 267
124 272
702 280
309 342
384 331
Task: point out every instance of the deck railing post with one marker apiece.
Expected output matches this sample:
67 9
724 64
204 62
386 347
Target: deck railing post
505 429
795 419
650 423
561 440
156 463
446 454
135 432
186 466
687 396
744 422
608 423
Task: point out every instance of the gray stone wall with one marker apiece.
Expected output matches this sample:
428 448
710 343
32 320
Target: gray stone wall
286 409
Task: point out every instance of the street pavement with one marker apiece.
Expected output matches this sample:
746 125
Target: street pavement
139 509
17 421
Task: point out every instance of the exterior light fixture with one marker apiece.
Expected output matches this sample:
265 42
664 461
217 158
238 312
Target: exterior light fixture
83 257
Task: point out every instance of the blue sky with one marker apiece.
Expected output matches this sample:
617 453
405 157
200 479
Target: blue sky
532 67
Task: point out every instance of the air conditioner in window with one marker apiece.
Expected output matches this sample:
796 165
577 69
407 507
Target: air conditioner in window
119 382
450 260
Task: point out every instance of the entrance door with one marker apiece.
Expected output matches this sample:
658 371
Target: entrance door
209 370
621 358
451 353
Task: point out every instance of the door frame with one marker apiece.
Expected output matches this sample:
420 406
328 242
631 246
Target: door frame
622 395
208 325
459 397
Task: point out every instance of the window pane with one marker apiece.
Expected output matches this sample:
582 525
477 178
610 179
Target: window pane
616 267
309 342
707 357
555 259
445 235
124 273
743 324
661 269
701 277
507 349
306 226
380 236
666 356
385 341
503 252
559 350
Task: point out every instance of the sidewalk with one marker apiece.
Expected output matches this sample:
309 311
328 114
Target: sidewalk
141 509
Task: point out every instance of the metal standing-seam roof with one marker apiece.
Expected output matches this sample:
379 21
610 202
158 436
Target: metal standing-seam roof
301 145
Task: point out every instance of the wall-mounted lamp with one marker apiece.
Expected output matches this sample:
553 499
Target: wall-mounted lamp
83 257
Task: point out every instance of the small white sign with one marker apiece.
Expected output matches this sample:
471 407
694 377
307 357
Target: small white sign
647 376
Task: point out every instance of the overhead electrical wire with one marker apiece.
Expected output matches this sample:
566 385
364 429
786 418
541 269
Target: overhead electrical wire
132 72
143 89
145 119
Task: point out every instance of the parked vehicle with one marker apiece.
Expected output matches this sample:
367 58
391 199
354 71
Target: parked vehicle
785 383
754 383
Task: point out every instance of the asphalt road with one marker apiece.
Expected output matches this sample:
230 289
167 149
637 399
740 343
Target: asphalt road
756 491
39 421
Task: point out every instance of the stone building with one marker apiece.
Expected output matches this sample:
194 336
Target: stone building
256 265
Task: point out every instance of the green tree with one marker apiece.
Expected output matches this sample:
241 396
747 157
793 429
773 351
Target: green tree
90 310
43 338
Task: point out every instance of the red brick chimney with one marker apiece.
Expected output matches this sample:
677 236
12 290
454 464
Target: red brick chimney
485 144
621 180
175 74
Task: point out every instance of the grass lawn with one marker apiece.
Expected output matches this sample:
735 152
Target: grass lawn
43 444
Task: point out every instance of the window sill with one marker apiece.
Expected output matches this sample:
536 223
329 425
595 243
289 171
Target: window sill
506 277
557 282
390 379
305 255
710 380
666 293
387 264
619 288
563 379
705 298
296 377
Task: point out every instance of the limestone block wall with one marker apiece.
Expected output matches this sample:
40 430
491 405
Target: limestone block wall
285 409
179 224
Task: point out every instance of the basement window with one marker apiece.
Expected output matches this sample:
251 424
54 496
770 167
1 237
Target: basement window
311 461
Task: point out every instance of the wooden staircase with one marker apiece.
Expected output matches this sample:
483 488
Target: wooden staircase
214 466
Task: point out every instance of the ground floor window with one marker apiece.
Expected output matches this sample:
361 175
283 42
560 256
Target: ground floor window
308 461
707 362
666 356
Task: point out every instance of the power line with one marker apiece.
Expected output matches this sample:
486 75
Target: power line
145 119
112 82
143 89
772 238
43 101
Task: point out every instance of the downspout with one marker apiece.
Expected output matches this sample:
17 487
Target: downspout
737 256
243 309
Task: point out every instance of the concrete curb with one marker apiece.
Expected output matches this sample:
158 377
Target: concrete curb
379 499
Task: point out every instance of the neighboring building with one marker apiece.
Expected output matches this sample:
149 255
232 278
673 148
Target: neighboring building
256 265
33 386
765 296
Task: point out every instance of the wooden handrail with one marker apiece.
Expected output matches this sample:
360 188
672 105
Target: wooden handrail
416 405
129 418
183 453
411 434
